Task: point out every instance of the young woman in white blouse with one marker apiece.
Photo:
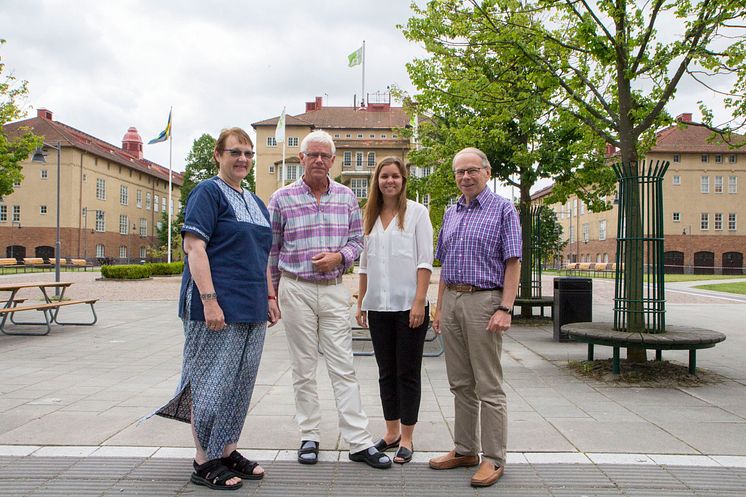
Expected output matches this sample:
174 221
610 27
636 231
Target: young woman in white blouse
395 268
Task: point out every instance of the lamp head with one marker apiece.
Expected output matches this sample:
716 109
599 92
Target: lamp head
39 156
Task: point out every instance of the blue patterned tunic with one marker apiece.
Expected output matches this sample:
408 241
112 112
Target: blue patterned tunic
220 367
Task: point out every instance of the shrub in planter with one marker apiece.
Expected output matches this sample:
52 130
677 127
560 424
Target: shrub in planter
165 268
126 272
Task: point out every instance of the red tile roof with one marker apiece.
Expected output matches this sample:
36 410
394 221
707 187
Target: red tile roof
55 131
345 118
692 138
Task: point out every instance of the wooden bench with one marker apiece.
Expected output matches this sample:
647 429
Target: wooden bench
540 302
50 312
674 338
35 262
10 262
78 264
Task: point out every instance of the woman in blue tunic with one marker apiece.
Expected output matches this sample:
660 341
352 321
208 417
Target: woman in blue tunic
225 302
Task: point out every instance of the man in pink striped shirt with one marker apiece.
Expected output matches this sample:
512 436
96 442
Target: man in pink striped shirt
316 235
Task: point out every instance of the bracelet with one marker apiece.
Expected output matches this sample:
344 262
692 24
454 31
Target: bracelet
271 297
208 296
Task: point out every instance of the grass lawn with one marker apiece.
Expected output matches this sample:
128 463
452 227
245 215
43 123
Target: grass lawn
739 288
670 278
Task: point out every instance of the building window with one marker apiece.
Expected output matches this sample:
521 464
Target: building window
383 135
100 251
3 213
100 221
122 251
586 232
271 141
156 205
732 158
718 159
732 221
676 157
100 188
336 135
124 195
371 135
582 207
358 160
602 230
718 184
676 217
676 179
172 205
426 200
143 252
292 171
17 213
359 187
148 200
718 221
359 135
393 136
704 184
347 158
44 174
348 135
143 227
705 158
371 159
124 225
42 209
732 184
139 199
292 141
271 169
426 171
704 221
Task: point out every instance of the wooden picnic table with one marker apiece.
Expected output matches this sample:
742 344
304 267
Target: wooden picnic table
49 308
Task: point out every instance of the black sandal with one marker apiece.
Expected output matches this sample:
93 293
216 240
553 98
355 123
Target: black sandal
314 449
404 455
213 474
242 467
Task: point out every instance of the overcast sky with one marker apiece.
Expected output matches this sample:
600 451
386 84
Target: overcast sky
102 66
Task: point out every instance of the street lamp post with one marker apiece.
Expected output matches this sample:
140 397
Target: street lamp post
39 157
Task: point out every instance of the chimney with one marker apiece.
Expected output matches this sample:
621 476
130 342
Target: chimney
315 105
132 143
319 103
686 117
44 114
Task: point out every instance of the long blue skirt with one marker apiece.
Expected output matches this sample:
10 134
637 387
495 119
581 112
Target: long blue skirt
217 381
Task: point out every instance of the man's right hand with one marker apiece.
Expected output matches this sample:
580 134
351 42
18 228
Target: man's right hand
362 318
436 322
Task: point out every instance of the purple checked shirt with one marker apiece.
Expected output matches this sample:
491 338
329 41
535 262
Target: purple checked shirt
476 240
302 228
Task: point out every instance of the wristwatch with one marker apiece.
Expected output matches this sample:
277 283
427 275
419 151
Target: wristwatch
503 308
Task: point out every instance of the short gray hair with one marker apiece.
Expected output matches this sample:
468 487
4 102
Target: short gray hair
318 136
475 151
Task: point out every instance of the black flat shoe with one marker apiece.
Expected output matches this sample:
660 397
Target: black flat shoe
404 455
308 447
382 446
372 457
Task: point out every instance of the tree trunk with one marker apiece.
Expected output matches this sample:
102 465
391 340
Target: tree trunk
527 252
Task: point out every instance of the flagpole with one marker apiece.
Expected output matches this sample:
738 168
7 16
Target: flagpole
170 174
362 96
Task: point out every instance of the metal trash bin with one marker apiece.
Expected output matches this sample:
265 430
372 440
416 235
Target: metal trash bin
573 303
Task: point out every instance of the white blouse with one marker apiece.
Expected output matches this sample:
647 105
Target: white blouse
391 258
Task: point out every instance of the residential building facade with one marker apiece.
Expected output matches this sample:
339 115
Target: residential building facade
363 136
704 206
111 198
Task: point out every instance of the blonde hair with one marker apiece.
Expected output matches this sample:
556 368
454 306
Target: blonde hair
375 199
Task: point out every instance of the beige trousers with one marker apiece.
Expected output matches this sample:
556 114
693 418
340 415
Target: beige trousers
475 373
317 317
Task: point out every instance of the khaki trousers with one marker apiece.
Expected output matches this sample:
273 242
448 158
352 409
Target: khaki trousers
317 317
475 374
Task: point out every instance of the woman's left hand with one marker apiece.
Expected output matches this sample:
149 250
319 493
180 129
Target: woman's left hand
274 313
416 314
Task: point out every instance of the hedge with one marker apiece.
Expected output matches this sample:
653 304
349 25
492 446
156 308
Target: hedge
165 268
126 272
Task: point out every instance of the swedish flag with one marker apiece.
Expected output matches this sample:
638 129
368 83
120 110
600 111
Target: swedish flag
165 134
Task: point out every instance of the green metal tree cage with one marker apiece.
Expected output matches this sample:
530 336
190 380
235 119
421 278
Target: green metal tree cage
639 295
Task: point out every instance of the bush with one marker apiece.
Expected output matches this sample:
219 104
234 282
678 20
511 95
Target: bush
126 272
166 268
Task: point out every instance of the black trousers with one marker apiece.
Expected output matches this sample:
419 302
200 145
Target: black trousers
398 350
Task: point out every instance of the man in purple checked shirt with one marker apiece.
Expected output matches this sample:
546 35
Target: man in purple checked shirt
479 247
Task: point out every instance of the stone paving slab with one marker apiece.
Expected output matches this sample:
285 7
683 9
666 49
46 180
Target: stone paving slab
92 476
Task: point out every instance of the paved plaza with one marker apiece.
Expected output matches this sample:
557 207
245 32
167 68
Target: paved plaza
70 405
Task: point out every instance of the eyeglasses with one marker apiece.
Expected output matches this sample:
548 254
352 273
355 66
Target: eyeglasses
318 155
235 153
472 171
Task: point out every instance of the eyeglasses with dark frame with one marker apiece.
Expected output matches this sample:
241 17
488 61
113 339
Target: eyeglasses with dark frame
318 155
470 171
235 153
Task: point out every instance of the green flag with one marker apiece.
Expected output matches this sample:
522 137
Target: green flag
355 58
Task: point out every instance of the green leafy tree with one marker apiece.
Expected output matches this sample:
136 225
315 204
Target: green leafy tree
200 165
550 241
17 147
162 234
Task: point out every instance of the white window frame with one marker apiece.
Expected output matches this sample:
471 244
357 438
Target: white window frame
44 173
156 204
271 169
124 195
143 227
602 229
677 157
718 159
704 184
3 213
359 160
704 221
347 158
586 232
124 224
732 221
100 250
271 142
705 158
359 187
676 217
718 184
143 252
148 201
16 214
676 180
100 189
732 184
717 221
292 141
100 221
123 251
43 210
371 159
732 158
